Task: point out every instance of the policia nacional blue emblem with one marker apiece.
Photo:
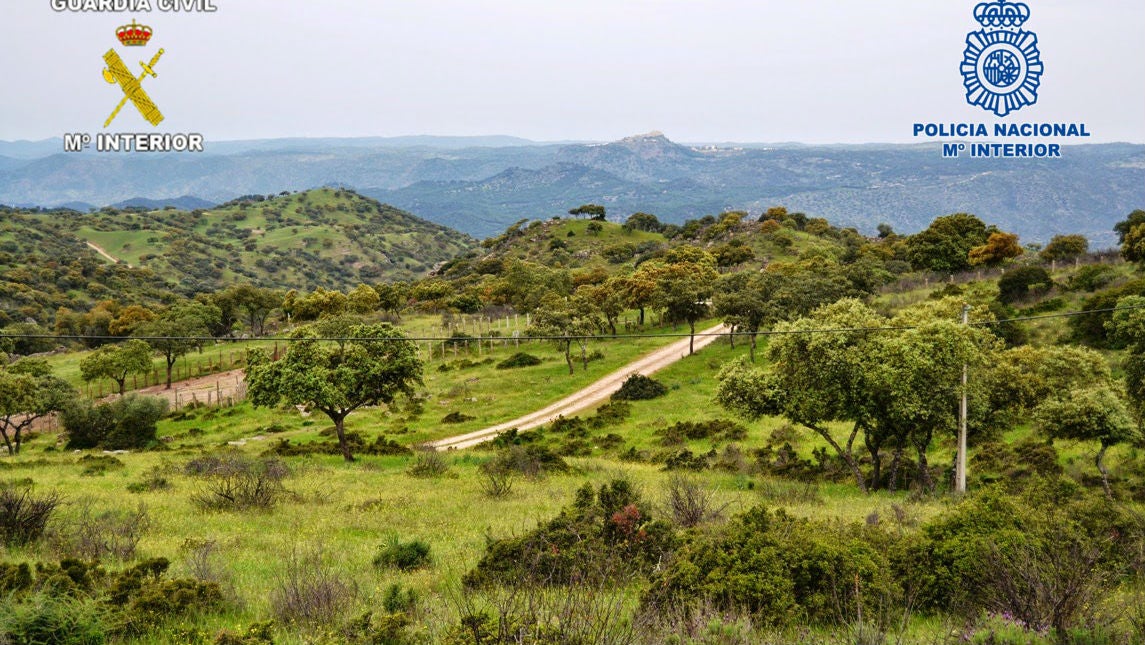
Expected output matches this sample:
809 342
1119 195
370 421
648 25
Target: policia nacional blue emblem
1002 67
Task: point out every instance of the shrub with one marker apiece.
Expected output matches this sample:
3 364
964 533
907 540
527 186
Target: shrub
1023 282
429 463
778 569
23 516
380 446
531 460
610 414
638 387
404 556
1092 277
602 537
59 620
520 359
1044 557
496 480
234 481
309 593
97 535
689 503
126 423
456 417
715 429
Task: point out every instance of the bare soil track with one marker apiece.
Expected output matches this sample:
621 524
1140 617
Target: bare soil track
590 396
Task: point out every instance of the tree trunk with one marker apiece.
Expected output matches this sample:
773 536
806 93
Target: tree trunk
1099 461
7 442
340 428
692 337
642 316
846 455
896 463
874 447
751 348
568 356
170 364
920 447
584 357
122 386
732 336
612 325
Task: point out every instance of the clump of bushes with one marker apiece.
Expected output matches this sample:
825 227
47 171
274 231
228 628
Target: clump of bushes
126 423
403 556
638 387
778 569
82 603
715 429
379 447
605 535
520 359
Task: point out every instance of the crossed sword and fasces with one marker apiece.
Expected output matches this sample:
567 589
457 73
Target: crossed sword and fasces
132 87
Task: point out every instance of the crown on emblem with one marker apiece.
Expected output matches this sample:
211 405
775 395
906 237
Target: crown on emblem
1002 14
134 35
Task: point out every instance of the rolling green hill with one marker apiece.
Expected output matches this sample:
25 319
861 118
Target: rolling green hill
328 237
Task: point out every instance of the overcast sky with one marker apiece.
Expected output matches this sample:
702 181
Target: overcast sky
815 71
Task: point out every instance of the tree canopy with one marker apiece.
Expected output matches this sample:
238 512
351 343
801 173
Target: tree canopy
117 362
28 392
374 365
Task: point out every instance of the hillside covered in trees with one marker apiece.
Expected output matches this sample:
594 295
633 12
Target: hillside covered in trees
794 482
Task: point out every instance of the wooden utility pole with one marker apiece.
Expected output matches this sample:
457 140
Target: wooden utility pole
960 468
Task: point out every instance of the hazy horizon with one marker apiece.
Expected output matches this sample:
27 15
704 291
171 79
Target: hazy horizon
752 71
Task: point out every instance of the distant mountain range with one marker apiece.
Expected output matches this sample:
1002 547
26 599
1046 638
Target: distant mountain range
479 185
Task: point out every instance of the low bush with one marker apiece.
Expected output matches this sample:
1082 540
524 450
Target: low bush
496 480
456 417
638 387
429 463
403 556
59 620
520 359
610 414
1092 277
77 602
92 535
529 460
604 536
779 569
690 503
1022 283
714 429
381 446
309 593
233 481
24 516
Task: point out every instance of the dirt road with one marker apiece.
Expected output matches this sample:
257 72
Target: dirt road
592 395
204 389
98 249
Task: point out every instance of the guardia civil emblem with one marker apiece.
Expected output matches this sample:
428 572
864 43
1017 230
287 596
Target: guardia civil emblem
117 72
1002 66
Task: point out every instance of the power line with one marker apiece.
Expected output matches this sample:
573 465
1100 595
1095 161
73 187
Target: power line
577 337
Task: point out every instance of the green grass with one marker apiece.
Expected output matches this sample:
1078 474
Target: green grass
349 510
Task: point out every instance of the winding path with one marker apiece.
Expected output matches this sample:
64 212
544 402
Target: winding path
99 249
592 395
